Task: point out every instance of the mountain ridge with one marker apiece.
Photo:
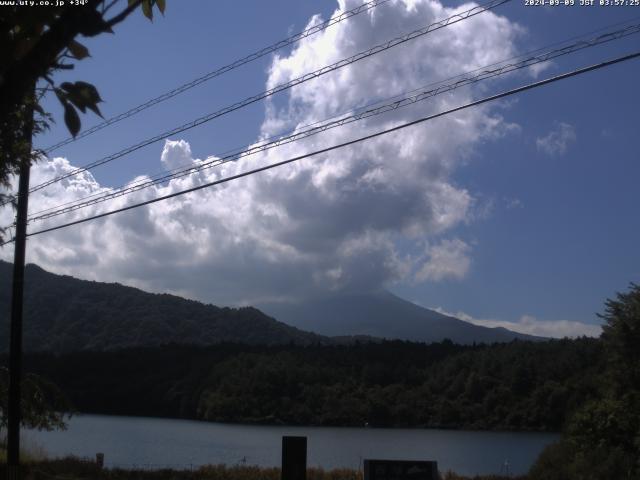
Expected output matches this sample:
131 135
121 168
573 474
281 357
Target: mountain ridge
385 315
106 316
66 314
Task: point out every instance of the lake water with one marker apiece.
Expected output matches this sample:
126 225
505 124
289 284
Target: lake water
156 443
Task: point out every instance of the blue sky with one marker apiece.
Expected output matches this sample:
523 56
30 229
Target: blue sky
551 228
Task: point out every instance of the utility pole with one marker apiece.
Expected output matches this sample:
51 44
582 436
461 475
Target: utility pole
15 346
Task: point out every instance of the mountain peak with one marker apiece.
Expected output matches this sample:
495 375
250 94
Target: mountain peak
384 315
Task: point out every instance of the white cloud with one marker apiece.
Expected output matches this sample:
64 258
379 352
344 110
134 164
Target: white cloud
176 154
531 325
448 259
537 68
513 203
557 141
324 223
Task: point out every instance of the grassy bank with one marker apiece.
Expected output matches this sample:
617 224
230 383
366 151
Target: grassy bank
75 469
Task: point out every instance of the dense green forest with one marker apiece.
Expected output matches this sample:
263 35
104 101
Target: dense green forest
516 386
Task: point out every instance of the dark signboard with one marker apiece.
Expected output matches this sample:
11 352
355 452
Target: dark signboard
400 470
294 458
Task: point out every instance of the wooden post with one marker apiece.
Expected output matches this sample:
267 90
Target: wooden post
17 294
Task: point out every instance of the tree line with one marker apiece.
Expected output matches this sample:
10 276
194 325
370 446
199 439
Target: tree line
515 386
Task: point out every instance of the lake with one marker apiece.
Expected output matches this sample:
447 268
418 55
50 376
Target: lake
156 443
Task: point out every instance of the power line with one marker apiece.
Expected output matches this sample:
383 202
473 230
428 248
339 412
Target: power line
222 70
372 103
190 168
409 99
346 144
282 87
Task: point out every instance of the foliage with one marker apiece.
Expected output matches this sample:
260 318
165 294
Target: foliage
31 452
516 386
621 336
43 404
35 43
602 438
403 384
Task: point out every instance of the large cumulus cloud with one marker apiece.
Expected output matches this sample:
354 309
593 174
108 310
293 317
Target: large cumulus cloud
331 222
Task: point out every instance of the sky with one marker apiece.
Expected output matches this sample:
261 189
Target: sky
520 213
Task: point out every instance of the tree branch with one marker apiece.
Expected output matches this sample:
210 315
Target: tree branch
124 14
106 8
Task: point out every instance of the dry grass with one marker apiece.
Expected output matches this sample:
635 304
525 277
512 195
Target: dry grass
455 476
76 469
28 454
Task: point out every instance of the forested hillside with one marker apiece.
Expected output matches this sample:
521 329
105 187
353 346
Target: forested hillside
516 386
64 314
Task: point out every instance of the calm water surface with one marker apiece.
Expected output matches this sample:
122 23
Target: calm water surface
154 443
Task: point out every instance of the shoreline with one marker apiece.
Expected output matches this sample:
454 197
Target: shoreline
183 443
285 425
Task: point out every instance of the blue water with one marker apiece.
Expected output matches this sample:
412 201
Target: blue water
156 443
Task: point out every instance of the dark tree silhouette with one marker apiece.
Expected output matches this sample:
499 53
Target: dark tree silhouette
602 439
36 42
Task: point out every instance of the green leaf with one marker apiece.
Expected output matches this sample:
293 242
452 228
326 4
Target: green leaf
62 96
93 24
162 4
83 95
94 108
73 94
71 119
67 86
146 9
39 109
78 50
89 91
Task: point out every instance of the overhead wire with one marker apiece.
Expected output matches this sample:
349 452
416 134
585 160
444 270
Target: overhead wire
222 70
282 87
410 98
507 93
190 167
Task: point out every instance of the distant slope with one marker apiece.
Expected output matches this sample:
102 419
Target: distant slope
384 315
64 314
